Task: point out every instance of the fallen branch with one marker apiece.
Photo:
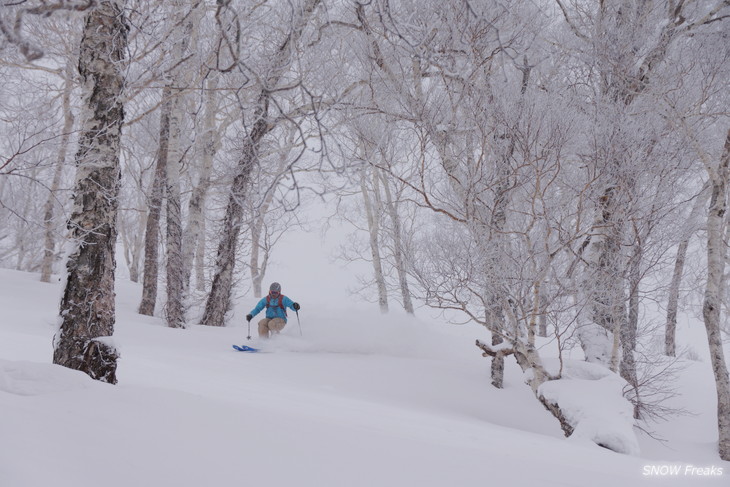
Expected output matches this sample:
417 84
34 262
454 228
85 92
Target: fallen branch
501 350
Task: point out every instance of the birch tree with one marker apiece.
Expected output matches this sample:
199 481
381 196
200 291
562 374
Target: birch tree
177 274
462 266
208 142
400 256
719 177
373 205
453 132
373 211
49 210
689 228
628 53
87 306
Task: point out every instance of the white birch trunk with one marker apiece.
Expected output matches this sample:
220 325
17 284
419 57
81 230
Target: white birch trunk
531 364
603 286
398 252
174 271
178 269
133 241
87 307
175 306
711 308
542 320
207 146
494 312
21 234
200 258
371 214
49 251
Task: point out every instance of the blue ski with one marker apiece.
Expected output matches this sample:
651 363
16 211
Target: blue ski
244 348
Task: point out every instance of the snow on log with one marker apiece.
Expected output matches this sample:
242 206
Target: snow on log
590 399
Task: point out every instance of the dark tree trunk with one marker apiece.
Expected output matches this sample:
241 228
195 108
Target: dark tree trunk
152 232
219 300
87 307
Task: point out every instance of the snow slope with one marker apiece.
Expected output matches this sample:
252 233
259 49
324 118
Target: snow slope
363 401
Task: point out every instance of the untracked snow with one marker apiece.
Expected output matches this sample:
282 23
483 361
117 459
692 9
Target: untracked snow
358 399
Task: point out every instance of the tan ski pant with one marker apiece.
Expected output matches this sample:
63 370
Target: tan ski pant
270 325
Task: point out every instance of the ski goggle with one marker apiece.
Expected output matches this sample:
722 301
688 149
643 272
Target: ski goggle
274 293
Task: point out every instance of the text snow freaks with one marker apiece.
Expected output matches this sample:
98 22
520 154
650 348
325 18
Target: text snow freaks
681 471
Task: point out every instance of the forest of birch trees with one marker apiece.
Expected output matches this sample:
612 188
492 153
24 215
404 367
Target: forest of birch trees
557 171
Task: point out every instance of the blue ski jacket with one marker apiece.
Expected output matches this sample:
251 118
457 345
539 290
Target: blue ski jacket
274 309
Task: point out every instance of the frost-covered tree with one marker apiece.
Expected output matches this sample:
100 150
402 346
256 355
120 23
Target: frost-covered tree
274 76
626 58
370 199
719 176
87 307
488 166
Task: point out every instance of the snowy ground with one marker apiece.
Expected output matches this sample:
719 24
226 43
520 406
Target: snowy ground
356 401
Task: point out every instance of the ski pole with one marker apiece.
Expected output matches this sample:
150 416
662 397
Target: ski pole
249 330
299 323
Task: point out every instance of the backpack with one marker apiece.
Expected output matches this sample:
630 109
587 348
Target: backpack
281 302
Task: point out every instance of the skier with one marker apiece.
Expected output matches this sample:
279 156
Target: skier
275 304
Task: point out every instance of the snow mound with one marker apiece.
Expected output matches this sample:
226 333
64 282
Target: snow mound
35 379
591 399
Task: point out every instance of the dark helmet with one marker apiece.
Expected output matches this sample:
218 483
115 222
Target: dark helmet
275 287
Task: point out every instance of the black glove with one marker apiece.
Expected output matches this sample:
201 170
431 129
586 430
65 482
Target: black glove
296 306
249 317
